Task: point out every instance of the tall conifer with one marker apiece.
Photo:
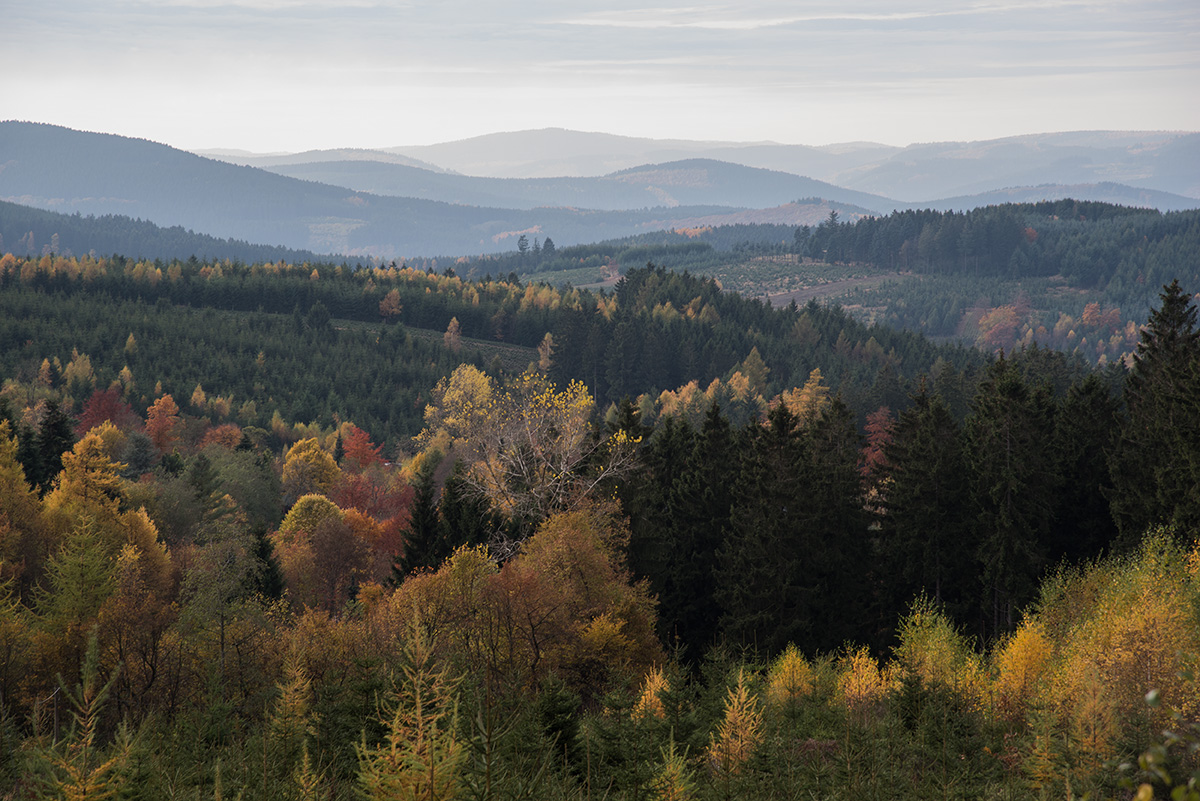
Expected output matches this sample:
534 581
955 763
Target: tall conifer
1156 465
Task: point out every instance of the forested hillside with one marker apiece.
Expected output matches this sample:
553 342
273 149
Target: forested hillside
657 331
28 231
74 171
304 531
1074 276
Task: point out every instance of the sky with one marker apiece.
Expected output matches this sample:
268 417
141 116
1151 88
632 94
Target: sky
292 75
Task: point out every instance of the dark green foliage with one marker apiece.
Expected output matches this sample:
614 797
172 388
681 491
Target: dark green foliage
139 455
203 480
376 381
268 578
1086 427
557 711
466 517
1013 483
651 538
841 521
773 572
1156 463
621 749
54 438
925 529
424 543
944 750
698 508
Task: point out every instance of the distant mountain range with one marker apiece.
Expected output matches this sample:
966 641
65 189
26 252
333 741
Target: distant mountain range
404 202
917 174
694 182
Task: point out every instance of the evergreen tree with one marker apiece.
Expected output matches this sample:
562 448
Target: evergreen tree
770 572
55 437
1156 464
649 492
1084 432
835 493
268 578
698 510
1013 477
423 541
467 516
925 525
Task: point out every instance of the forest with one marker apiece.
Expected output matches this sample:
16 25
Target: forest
1076 276
279 530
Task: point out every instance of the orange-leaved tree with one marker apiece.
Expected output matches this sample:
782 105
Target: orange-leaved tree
565 605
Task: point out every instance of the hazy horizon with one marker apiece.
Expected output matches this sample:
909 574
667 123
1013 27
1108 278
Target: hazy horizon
292 75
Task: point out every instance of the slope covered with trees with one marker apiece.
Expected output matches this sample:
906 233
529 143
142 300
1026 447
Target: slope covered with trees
699 547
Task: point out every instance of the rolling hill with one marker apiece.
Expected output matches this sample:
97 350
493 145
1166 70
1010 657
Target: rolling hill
393 205
691 182
1164 161
70 171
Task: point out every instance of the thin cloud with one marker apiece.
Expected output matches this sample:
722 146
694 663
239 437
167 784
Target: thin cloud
711 18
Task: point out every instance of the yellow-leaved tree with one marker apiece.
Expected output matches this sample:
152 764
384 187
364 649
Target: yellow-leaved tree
420 757
22 542
530 445
308 468
740 731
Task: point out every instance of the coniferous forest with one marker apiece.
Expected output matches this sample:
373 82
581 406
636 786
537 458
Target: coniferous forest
284 530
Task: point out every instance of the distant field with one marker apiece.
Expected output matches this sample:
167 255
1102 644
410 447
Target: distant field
778 277
831 289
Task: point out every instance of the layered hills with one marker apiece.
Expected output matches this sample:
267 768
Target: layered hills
390 204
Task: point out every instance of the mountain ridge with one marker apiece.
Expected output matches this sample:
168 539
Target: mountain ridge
1166 161
59 169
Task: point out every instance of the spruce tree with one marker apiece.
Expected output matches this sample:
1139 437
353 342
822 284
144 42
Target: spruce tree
423 546
698 512
835 492
647 498
926 521
769 571
1085 430
54 438
1156 464
1013 477
467 517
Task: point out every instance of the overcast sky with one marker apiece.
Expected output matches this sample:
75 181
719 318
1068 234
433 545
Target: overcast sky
288 75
